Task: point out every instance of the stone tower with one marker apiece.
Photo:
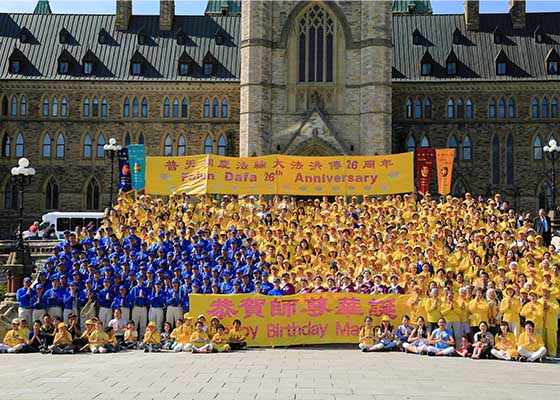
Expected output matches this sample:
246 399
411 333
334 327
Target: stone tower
315 77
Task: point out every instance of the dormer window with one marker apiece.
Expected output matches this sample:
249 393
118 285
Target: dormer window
209 65
63 67
136 68
552 67
411 8
426 64
501 68
24 35
539 35
15 66
88 68
552 62
181 39
457 36
498 36
416 37
208 69
142 38
102 37
137 64
451 68
184 68
219 38
63 36
225 10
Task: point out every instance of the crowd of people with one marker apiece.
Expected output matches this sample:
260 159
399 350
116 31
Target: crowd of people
469 264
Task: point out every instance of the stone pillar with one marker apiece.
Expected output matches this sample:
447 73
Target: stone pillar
256 77
472 15
517 12
166 14
18 266
124 13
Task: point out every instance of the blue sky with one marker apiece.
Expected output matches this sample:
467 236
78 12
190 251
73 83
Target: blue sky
197 7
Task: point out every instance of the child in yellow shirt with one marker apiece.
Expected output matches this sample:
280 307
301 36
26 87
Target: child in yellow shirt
62 343
219 340
98 339
152 339
199 341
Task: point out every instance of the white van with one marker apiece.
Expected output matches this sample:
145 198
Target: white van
66 221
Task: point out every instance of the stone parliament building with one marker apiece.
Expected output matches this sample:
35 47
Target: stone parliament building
293 77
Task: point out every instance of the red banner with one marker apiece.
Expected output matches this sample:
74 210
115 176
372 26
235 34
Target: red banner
424 165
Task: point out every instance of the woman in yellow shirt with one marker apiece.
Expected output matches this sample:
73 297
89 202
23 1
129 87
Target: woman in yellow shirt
531 346
510 308
367 335
533 311
505 346
13 341
432 307
183 335
199 341
478 308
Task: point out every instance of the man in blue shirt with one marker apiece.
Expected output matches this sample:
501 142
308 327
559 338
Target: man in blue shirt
140 296
105 300
124 302
24 296
276 290
174 302
157 302
39 303
70 302
54 298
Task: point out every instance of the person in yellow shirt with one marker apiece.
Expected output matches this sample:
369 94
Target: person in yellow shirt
550 321
478 307
199 341
112 343
220 340
510 308
367 335
183 334
130 340
237 339
530 345
533 311
505 346
62 343
451 311
98 339
152 339
14 342
432 307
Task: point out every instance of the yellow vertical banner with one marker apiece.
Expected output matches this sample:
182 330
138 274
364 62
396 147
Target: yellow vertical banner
444 165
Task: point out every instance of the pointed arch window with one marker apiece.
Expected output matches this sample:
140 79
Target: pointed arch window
208 145
418 109
51 195
316 30
144 108
496 172
502 109
450 109
11 196
88 146
47 146
126 107
23 106
184 108
222 145
545 196
92 195
175 107
408 109
141 138
425 141
104 107
20 145
100 145
86 107
166 108
60 146
55 107
455 146
135 106
459 189
6 146
206 108
127 139
544 108
410 144
467 148
46 106
215 108
14 108
469 111
511 108
64 107
427 109
535 108
537 148
95 107
5 105
181 146
492 108
509 160
224 108
168 146
460 108
554 108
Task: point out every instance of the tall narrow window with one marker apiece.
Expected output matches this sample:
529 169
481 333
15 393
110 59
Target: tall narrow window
95 107
224 108
410 144
166 108
104 107
20 145
215 108
47 146
467 148
537 148
222 146
427 109
5 105
454 145
450 109
206 108
175 107
425 141
46 107
126 107
418 109
14 109
408 109
51 195
6 146
88 146
64 107
144 108
509 159
502 108
460 108
86 107
544 108
100 145
181 146
141 138
184 108
135 107
92 195
60 146
469 112
127 139
11 196
208 145
23 106
55 107
316 30
496 172
554 108
511 108
168 146
535 108
492 108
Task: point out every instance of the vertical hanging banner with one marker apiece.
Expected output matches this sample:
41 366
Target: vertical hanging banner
444 165
424 165
124 171
137 162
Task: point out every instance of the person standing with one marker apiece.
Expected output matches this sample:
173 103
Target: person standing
139 312
24 297
542 226
157 302
550 321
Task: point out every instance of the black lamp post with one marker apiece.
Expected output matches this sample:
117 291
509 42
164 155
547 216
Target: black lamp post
112 148
21 177
552 152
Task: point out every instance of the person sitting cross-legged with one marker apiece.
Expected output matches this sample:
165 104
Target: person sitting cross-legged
530 345
441 341
199 342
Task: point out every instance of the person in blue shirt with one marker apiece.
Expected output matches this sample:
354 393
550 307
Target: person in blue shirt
24 296
226 287
174 302
157 301
123 301
38 303
266 285
276 290
140 294
70 302
441 341
54 298
403 332
105 300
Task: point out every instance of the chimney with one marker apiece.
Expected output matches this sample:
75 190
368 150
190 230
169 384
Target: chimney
166 14
472 15
124 13
517 12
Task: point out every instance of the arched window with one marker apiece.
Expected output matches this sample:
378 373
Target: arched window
181 146
418 109
64 107
410 144
14 111
545 196
554 108
502 108
215 108
46 107
144 108
55 107
408 109
459 188
460 108
141 138
100 145
60 146
450 109
454 145
492 108
511 108
224 108
206 108
6 146
316 30
51 195
185 108
175 107
127 140
467 148
544 108
11 196
92 195
95 107
166 108
425 141
23 106
104 107
5 105
427 109
47 145
20 145
208 145
537 148
535 108
88 146
509 160
168 146
135 106
496 160
469 112
126 107
86 107
222 145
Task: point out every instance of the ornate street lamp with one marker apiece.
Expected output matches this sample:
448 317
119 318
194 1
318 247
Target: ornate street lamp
21 177
112 148
552 152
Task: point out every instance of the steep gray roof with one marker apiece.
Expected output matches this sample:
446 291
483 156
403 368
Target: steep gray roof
161 51
477 52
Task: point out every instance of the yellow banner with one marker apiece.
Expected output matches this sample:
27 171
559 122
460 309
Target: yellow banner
444 165
313 318
278 174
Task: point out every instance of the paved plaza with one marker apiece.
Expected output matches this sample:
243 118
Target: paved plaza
320 373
